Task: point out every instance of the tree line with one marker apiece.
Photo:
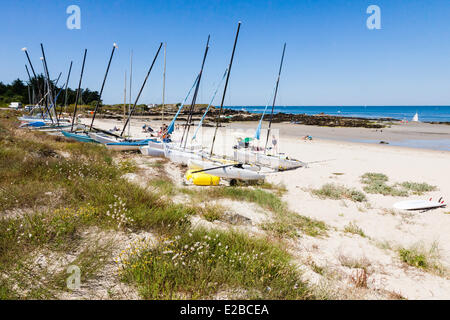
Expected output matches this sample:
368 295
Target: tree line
31 92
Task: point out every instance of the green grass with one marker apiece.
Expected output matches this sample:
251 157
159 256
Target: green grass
199 264
337 192
164 185
414 258
285 222
417 188
54 189
376 183
211 212
419 257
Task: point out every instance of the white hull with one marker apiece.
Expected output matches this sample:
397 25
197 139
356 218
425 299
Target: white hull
225 172
275 162
180 156
46 120
154 149
103 137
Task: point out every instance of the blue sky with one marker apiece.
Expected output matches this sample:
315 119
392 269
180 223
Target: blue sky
331 56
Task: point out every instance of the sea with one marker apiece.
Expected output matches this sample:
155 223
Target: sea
426 113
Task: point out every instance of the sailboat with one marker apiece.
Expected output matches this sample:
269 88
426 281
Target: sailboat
415 118
84 135
276 161
128 144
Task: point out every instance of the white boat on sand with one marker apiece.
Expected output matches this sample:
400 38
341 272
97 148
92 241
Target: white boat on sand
278 162
233 172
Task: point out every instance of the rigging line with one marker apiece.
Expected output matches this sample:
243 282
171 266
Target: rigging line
209 106
172 123
225 88
103 85
194 97
78 91
258 129
275 97
142 88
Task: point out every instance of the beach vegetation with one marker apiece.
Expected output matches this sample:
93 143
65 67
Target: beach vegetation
285 221
200 263
376 183
422 258
337 192
355 229
354 262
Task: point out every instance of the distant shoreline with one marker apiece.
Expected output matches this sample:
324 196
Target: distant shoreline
427 114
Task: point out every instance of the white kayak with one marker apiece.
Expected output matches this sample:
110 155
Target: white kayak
418 204
228 172
276 162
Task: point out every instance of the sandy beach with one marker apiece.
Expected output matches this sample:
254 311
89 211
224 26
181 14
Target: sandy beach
334 159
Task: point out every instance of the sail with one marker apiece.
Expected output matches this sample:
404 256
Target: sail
416 117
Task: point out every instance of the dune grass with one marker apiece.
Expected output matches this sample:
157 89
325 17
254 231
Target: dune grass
337 192
355 229
376 183
419 257
285 222
51 189
201 263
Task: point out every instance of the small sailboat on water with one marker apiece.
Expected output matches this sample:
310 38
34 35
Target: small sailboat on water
416 117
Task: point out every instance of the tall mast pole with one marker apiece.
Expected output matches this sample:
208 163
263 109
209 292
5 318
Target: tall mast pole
34 73
46 96
142 88
103 85
225 88
131 80
78 91
125 97
275 97
164 84
67 85
49 83
194 96
31 84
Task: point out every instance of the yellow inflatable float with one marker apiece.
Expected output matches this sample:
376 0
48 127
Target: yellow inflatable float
202 178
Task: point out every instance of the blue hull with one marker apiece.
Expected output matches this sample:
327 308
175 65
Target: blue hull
82 137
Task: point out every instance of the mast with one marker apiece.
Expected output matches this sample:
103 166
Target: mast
46 86
125 97
31 83
49 83
209 106
225 88
78 91
164 84
67 84
194 96
142 88
131 78
103 85
34 73
275 96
